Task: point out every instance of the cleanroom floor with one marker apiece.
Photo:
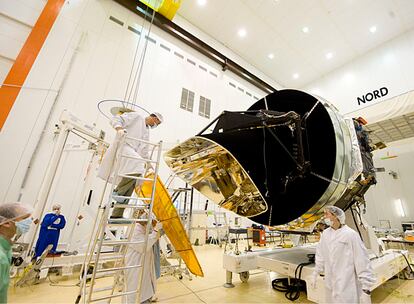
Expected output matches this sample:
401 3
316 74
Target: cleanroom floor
203 290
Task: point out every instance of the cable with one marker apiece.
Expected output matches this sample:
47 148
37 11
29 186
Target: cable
104 101
292 290
52 283
136 52
408 263
265 162
141 62
356 225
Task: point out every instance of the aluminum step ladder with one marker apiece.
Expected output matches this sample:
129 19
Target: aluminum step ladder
107 246
221 224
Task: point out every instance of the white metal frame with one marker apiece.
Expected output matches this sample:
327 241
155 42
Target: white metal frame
69 123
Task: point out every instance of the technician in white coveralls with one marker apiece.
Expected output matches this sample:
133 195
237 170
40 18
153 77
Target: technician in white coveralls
343 258
127 121
134 256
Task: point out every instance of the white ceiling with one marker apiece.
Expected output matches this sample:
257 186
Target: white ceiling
341 27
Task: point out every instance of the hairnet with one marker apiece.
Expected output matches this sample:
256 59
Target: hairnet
56 206
12 211
159 116
338 212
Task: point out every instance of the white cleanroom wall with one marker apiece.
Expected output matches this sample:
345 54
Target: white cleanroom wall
87 57
397 158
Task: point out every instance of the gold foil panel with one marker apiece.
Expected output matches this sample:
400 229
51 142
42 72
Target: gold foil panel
214 172
166 213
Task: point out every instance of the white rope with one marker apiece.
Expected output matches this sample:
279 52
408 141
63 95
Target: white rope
137 78
135 55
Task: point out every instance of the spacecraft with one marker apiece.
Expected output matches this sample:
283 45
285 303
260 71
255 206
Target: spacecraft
279 163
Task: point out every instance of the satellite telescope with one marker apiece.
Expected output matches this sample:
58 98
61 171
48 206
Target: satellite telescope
279 163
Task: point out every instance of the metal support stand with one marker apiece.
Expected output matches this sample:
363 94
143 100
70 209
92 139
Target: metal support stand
229 277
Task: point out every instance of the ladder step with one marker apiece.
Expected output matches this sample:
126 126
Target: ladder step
119 224
121 242
131 198
136 177
117 268
98 276
125 221
113 296
138 158
106 257
130 206
103 289
109 257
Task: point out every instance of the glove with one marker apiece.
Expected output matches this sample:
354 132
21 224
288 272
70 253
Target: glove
365 298
313 280
158 226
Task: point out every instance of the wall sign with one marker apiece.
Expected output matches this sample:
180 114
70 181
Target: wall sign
376 94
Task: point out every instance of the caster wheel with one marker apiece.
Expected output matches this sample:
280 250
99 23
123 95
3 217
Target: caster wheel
17 261
244 276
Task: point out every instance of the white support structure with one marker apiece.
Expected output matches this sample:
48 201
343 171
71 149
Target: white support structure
284 262
200 225
69 123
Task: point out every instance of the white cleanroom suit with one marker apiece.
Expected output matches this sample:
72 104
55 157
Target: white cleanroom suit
135 127
134 256
343 258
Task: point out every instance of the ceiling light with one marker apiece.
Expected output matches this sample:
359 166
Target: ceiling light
201 2
242 32
295 76
271 56
328 55
373 29
305 29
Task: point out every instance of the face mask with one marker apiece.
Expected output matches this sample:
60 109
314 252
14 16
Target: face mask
23 226
328 222
153 126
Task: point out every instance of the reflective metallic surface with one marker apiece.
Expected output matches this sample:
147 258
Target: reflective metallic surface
214 172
